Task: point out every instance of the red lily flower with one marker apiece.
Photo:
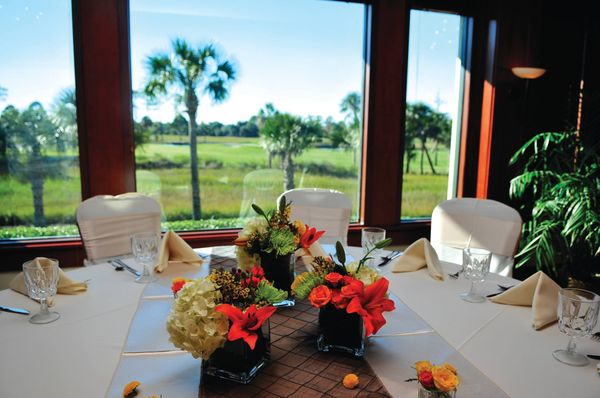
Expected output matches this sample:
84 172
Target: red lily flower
245 324
371 304
310 236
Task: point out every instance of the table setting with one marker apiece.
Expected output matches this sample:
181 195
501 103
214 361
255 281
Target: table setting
363 319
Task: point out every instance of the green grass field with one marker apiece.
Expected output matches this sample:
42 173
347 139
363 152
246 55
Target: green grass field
225 162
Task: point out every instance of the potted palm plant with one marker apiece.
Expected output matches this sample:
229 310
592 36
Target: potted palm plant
558 191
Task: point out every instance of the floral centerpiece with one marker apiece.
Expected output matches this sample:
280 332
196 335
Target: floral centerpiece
351 299
436 381
223 319
271 240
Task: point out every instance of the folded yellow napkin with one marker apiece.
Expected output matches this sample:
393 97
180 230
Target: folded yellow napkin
314 250
417 256
65 284
174 249
538 292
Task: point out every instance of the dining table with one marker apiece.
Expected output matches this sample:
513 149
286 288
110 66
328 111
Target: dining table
115 333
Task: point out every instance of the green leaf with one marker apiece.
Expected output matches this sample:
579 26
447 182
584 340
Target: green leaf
258 210
383 243
340 253
282 204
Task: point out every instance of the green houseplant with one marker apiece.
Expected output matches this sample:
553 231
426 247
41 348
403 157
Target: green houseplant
558 191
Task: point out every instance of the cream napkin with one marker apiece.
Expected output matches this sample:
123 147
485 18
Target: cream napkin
314 250
65 284
538 292
417 256
174 249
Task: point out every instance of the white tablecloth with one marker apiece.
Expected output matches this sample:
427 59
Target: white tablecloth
78 354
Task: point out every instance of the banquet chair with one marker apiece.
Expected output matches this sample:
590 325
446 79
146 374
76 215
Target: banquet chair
106 223
481 223
324 209
260 187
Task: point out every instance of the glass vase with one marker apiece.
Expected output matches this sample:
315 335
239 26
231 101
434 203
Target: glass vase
340 331
425 393
280 271
236 362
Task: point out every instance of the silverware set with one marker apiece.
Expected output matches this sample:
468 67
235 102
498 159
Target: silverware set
456 274
389 257
120 266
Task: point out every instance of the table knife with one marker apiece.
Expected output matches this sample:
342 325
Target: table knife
14 310
593 356
127 267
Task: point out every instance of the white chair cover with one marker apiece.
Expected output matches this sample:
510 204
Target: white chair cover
324 209
106 223
488 224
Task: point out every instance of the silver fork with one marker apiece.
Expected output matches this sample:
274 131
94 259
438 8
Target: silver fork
389 257
456 274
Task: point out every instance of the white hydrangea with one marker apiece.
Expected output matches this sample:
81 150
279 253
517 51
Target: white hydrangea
193 323
366 275
245 260
255 225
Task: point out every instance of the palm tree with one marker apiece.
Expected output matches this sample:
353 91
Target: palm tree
64 110
191 73
351 105
288 136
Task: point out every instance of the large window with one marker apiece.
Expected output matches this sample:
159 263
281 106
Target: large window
237 101
433 98
39 166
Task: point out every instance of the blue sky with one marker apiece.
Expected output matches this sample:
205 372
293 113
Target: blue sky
302 55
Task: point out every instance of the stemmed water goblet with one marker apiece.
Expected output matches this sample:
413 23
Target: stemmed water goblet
369 238
577 317
41 279
145 250
476 266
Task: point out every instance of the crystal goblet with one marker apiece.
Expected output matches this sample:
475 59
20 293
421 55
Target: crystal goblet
41 279
577 317
369 238
145 250
476 265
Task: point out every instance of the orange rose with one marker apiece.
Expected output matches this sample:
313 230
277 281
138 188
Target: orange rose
320 296
444 379
423 366
333 278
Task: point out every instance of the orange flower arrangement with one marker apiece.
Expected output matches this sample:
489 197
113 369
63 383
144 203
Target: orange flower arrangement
441 380
351 288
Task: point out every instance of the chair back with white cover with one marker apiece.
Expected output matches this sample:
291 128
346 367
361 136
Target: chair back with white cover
324 209
485 223
260 187
106 223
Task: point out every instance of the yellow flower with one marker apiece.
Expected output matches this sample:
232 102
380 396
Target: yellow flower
300 227
444 379
450 367
423 365
130 389
350 380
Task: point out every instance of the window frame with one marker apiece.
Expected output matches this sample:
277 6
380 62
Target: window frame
105 122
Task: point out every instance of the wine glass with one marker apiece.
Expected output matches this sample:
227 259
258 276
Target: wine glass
145 250
577 317
476 265
41 279
369 238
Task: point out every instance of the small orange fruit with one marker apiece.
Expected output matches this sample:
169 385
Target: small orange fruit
350 380
130 389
